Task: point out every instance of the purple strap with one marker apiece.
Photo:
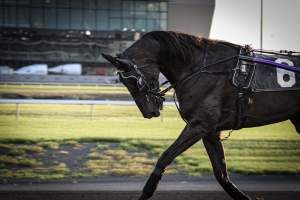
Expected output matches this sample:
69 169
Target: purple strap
269 62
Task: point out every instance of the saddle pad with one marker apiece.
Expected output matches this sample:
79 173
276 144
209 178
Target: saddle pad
271 78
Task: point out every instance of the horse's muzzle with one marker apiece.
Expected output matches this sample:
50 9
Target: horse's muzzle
152 114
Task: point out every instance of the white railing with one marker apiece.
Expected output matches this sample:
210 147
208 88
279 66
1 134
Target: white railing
71 102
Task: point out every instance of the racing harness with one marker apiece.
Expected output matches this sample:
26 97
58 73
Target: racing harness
251 74
255 71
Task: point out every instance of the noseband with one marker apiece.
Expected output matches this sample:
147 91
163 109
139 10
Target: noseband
142 83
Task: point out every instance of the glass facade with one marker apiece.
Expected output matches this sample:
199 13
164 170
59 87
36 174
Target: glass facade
100 15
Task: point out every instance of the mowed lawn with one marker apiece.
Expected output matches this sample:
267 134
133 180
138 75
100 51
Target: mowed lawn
66 92
59 122
63 89
118 141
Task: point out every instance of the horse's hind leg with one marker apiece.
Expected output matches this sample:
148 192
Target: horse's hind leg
296 121
216 155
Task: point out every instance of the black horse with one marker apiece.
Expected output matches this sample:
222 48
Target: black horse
214 88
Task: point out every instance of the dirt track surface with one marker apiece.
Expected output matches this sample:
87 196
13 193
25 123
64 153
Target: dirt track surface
161 195
260 187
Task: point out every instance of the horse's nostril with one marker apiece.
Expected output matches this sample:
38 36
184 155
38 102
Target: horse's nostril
154 114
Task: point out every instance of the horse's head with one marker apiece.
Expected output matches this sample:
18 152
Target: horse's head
142 83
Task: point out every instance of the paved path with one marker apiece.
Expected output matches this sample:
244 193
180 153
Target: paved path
267 188
131 195
163 186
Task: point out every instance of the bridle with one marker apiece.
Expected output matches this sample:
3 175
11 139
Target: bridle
151 89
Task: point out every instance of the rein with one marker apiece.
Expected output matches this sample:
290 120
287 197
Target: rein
271 63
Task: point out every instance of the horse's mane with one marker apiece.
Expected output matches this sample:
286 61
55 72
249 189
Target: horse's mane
176 46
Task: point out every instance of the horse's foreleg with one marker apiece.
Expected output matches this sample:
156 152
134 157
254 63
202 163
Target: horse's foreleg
187 138
215 152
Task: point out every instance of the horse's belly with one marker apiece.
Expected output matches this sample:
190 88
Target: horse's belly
272 107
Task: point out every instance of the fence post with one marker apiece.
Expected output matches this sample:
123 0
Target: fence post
17 111
162 116
92 112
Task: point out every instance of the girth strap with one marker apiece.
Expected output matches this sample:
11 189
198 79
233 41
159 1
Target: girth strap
242 78
242 104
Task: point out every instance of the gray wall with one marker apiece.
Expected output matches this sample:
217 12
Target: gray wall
191 16
238 21
281 29
57 79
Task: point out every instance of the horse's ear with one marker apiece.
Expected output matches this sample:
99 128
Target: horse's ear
112 60
127 64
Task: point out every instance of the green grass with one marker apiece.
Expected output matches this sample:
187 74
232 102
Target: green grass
21 149
31 89
49 145
16 152
82 92
57 171
60 122
248 157
18 161
272 149
118 162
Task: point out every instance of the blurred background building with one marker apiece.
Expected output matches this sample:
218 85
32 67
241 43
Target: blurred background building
59 32
56 32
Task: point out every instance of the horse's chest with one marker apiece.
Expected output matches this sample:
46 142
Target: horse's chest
261 77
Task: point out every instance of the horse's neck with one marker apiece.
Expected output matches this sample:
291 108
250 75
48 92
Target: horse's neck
177 72
211 54
173 74
177 69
